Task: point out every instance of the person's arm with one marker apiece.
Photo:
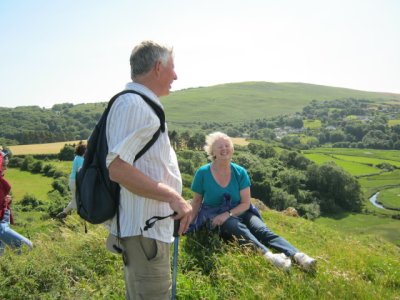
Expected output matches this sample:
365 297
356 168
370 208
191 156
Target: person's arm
196 204
140 184
241 208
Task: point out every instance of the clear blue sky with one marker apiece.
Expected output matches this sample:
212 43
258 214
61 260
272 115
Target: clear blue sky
57 51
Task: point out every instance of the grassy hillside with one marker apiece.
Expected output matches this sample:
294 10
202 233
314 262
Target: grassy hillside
238 102
67 263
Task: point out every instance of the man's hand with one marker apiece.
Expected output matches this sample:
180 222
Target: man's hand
183 213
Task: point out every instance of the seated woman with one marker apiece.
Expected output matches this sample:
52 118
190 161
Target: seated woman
221 181
7 235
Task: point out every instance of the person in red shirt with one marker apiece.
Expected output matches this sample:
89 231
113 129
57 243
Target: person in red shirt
7 235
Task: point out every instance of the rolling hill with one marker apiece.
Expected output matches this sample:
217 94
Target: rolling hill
189 108
238 102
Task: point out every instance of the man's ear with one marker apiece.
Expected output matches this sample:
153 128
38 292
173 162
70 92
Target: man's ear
157 68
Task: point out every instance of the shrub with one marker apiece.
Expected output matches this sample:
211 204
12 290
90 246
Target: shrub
49 170
61 186
27 163
67 152
309 211
15 162
281 200
37 167
58 174
57 203
30 202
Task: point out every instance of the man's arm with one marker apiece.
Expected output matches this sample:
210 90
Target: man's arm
140 184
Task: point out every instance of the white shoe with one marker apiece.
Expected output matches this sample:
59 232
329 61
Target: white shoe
279 260
305 262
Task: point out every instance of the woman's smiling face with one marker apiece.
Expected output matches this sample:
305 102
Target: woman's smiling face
222 149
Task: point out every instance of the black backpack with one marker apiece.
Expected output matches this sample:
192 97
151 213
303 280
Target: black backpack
97 197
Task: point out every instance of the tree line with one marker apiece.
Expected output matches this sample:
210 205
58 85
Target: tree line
279 180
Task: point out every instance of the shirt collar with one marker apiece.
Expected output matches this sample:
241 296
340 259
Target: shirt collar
144 90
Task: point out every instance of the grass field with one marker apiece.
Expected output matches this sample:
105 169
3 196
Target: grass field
367 160
354 168
240 141
361 224
312 124
24 182
375 183
391 155
375 221
50 148
394 122
390 198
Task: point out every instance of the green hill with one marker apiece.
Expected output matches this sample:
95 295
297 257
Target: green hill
239 102
189 108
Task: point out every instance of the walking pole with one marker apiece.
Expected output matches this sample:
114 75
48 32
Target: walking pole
175 258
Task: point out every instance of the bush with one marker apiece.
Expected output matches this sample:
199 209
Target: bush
61 186
30 202
309 211
27 163
58 174
37 166
67 152
15 162
386 166
57 203
49 170
281 200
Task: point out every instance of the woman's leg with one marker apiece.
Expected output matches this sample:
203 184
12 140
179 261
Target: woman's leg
266 236
233 227
14 239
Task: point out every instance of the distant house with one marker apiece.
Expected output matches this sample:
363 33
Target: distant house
330 127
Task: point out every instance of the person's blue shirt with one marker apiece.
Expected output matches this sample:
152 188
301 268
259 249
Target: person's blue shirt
76 165
205 185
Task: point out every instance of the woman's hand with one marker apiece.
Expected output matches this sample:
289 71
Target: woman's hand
7 200
220 219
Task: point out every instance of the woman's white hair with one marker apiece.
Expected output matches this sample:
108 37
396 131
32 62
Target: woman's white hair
210 141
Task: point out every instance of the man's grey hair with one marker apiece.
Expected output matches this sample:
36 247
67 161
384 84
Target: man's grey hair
145 55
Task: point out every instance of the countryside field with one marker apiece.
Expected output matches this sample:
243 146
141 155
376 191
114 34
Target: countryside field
49 148
362 163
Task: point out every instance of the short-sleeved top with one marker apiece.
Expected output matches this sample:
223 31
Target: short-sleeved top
205 184
76 165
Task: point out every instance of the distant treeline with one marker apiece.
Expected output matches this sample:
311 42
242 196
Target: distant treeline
35 125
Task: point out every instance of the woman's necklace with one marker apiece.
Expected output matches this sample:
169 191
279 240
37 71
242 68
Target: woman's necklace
222 174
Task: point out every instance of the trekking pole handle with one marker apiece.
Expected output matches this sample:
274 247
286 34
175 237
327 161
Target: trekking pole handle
177 223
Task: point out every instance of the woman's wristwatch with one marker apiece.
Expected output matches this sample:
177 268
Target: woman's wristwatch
230 213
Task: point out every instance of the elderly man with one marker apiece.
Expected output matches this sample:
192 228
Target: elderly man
150 186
